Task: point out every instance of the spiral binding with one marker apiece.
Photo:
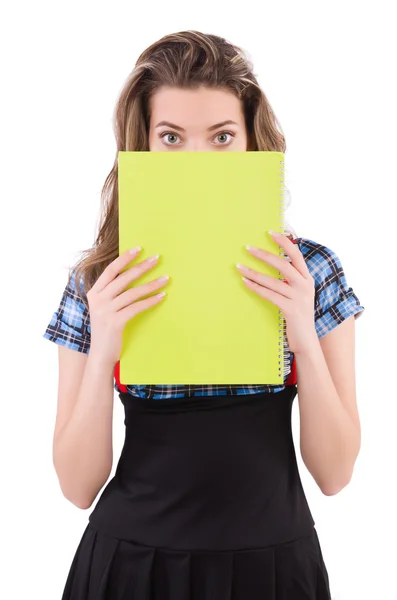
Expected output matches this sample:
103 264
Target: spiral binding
283 357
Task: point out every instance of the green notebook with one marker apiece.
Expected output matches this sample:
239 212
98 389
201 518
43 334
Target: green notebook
198 210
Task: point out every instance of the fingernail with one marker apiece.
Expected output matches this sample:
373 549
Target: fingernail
153 258
136 249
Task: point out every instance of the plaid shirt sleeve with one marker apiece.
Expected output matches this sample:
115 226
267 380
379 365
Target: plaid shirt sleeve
70 324
335 301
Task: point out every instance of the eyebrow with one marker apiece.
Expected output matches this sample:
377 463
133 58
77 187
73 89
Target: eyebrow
209 128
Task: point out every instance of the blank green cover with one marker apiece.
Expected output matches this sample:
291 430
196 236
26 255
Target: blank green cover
198 210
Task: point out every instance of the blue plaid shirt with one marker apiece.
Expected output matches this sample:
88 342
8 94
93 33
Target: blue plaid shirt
334 302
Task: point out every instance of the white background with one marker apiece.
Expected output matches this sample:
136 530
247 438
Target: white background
329 74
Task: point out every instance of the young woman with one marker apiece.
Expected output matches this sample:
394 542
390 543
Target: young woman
206 502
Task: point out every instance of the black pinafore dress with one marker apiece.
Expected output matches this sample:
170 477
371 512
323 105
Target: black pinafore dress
206 504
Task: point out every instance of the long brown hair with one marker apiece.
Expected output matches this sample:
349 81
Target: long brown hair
187 59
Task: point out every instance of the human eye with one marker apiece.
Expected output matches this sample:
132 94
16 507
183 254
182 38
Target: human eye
168 133
223 134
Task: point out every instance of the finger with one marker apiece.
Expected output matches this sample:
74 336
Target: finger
281 264
293 251
132 294
266 281
137 307
119 285
115 268
267 294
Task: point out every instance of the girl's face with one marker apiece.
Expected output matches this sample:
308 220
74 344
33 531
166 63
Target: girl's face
199 120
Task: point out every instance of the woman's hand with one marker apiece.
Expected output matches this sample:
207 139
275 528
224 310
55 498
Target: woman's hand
111 305
295 296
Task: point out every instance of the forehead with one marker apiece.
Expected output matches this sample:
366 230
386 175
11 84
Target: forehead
201 106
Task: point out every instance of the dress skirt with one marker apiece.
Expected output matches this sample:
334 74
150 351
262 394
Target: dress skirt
206 504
